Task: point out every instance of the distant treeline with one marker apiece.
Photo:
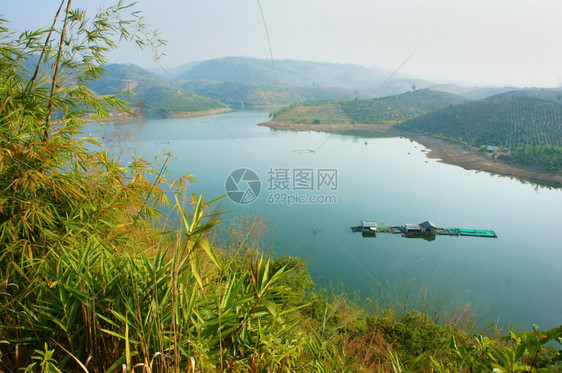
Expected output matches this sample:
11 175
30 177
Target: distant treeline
386 110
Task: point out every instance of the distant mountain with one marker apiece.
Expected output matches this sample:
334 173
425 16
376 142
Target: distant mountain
471 93
449 88
150 91
485 92
531 128
550 94
284 73
240 94
395 87
174 71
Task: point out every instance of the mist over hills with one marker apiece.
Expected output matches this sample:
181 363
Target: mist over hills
241 82
150 92
549 94
527 121
284 73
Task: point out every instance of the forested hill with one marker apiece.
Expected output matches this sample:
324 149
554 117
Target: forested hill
386 110
150 91
530 128
550 94
426 100
511 122
241 94
283 72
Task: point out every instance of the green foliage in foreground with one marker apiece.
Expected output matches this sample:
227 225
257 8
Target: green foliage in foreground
91 281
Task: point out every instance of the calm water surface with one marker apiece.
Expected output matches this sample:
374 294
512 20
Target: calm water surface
515 278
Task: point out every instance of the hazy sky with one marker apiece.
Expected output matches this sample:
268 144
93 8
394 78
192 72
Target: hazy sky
475 42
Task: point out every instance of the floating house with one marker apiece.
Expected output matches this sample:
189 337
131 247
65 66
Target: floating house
428 227
426 230
368 226
411 228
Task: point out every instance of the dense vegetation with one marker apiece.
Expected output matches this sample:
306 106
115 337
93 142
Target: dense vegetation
426 100
386 110
312 112
93 280
150 92
530 128
379 111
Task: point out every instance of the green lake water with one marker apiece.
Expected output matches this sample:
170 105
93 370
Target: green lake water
515 279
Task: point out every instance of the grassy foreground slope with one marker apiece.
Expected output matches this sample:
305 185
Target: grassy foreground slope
530 128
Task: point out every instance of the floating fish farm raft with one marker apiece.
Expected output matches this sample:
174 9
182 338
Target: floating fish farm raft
426 230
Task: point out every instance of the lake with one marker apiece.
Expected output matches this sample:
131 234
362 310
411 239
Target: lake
310 199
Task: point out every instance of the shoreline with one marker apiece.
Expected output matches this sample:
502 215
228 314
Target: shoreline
444 151
126 117
192 114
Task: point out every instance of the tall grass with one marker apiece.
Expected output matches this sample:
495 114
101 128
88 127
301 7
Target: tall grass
88 281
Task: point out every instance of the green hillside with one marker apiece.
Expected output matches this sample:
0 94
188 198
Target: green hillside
287 72
249 94
529 127
150 91
312 112
282 73
550 94
240 93
379 111
426 100
386 110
